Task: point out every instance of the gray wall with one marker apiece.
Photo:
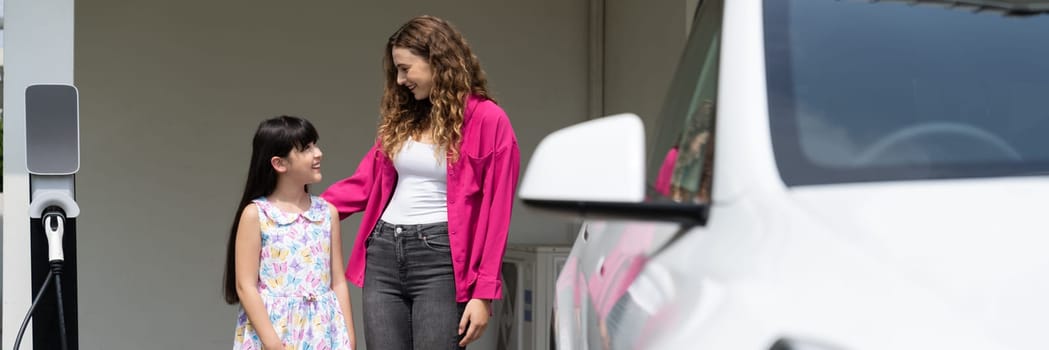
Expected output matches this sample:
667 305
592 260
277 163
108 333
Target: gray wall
643 42
171 92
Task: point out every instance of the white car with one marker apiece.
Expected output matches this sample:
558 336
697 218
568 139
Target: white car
878 182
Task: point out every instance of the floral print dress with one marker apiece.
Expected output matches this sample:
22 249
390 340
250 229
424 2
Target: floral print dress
295 281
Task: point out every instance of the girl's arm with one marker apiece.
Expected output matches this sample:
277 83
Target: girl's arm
338 276
248 249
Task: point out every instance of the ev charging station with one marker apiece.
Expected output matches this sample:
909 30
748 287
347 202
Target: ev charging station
52 158
41 158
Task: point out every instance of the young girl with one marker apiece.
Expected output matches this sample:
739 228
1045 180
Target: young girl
284 260
436 190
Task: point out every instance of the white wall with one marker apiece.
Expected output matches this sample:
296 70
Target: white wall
39 38
171 92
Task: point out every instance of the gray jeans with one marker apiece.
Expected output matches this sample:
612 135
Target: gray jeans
409 289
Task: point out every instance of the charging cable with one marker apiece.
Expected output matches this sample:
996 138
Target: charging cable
53 220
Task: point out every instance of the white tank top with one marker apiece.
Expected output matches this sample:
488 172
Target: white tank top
422 187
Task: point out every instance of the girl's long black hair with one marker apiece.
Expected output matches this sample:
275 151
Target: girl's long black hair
275 137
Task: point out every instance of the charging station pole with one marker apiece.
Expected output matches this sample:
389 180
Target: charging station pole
38 40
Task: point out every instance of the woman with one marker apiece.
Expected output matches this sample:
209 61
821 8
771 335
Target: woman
436 190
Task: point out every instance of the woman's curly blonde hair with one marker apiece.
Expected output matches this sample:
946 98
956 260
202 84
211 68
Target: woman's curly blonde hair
456 74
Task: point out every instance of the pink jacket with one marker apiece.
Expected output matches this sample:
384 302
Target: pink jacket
666 172
481 187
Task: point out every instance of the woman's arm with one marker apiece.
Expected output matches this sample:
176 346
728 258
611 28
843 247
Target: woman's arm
350 195
500 184
248 249
338 277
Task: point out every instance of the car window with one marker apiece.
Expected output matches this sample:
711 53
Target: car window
682 154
